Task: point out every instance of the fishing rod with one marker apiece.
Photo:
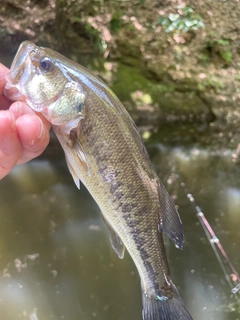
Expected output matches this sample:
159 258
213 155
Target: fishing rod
215 242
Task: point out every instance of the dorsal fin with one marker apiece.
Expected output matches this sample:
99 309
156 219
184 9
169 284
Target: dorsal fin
170 221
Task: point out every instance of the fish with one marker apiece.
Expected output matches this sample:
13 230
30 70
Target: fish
104 150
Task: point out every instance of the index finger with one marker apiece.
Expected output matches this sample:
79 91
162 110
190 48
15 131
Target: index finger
3 72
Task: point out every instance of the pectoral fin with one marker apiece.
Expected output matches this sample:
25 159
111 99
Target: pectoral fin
81 155
73 173
81 158
115 241
74 153
170 221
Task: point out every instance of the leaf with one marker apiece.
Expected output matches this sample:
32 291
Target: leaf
173 17
76 19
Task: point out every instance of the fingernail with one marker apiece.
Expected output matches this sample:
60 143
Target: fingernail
42 131
8 118
16 109
13 124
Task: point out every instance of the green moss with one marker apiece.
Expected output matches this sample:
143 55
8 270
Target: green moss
204 58
226 55
222 42
165 88
129 80
237 77
211 82
220 48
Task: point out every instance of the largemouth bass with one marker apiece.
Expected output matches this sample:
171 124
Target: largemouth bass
104 150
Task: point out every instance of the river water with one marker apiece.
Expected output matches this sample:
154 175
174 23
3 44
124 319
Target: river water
56 261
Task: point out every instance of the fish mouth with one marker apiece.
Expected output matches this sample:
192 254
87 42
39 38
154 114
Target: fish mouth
20 72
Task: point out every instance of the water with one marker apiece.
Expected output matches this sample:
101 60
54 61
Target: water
56 261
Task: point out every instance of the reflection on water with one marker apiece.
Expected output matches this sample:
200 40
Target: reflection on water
56 260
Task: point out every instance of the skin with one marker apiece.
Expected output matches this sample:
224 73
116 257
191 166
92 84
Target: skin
24 134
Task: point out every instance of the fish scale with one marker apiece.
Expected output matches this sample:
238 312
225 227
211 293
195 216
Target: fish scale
145 206
104 150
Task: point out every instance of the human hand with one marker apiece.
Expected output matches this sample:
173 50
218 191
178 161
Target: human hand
24 134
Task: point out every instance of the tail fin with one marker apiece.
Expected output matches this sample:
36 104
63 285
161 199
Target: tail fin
165 309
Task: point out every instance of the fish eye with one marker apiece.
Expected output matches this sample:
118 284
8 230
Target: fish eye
45 64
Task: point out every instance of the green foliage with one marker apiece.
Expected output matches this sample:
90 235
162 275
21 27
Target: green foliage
237 77
204 58
221 47
221 42
226 56
185 20
76 19
94 36
211 83
116 22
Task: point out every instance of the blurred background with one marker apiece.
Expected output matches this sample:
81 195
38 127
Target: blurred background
176 67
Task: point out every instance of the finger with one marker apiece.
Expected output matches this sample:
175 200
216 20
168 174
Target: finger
44 120
34 136
4 103
3 72
10 146
21 108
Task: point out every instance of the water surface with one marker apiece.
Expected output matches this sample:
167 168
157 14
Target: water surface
56 260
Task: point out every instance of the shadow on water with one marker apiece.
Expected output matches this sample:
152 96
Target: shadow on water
56 260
